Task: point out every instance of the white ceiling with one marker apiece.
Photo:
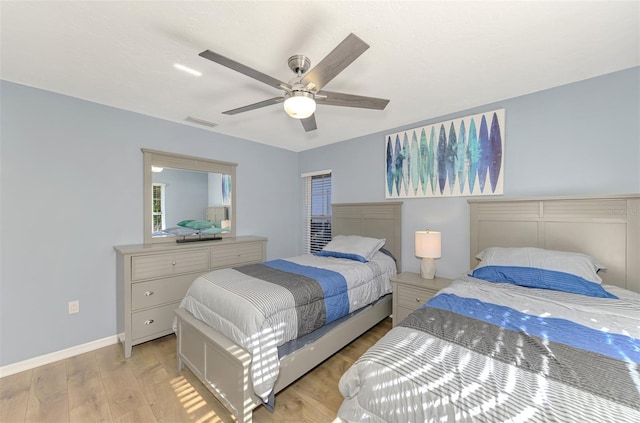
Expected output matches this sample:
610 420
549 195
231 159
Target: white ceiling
429 58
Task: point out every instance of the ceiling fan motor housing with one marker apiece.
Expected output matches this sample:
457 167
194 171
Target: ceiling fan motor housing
299 64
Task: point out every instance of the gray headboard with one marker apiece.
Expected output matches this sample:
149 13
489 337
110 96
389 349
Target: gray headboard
376 220
605 227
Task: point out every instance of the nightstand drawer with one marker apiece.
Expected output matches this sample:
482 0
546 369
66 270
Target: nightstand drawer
413 298
410 291
157 265
160 291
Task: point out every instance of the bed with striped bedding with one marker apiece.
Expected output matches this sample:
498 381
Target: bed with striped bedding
263 306
487 352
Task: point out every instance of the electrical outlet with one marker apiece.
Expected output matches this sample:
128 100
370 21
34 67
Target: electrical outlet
74 307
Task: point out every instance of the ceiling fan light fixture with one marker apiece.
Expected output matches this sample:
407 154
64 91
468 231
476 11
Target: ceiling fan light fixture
299 104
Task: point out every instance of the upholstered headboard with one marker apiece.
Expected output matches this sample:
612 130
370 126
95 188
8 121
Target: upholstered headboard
376 220
605 227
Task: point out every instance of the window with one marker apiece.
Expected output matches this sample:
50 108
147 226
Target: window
157 207
317 210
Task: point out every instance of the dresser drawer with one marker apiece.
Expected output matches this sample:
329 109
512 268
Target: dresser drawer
160 291
234 255
412 298
158 265
148 322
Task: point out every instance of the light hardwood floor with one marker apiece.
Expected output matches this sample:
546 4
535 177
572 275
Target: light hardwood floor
103 386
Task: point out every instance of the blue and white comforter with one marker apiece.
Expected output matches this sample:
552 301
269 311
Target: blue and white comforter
263 306
487 352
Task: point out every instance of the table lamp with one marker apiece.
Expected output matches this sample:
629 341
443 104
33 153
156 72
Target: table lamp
428 247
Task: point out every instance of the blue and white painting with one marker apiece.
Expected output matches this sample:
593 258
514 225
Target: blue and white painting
460 157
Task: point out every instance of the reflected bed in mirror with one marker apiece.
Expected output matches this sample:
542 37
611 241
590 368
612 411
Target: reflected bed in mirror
187 199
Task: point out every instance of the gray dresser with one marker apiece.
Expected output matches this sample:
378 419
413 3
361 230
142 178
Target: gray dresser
153 279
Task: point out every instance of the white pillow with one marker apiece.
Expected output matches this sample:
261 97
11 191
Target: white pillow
352 247
577 264
544 269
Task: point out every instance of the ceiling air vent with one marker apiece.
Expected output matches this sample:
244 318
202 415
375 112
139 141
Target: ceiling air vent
201 121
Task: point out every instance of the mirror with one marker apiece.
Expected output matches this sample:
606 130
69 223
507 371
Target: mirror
187 198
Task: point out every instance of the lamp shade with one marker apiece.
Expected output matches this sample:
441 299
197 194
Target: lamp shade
427 244
300 104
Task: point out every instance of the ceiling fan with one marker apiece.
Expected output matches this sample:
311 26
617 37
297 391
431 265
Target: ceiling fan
305 90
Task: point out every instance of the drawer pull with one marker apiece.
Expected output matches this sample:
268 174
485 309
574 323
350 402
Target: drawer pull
148 293
418 299
148 322
174 263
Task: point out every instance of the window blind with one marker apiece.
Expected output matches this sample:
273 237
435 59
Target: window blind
157 207
317 212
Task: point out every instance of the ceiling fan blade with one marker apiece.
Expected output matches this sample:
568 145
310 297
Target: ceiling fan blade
309 124
349 100
335 62
246 70
254 106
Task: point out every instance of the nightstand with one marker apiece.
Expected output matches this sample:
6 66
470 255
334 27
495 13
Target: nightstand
410 291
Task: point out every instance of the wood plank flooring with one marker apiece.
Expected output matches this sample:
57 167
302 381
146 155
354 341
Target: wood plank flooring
103 386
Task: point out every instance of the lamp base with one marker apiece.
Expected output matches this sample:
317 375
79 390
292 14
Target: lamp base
427 268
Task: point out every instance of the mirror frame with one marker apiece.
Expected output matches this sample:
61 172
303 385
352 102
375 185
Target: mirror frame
180 161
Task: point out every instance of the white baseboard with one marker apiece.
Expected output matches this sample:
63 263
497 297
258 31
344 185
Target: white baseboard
32 363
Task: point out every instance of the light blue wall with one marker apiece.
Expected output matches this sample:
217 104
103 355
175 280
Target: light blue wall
581 138
71 184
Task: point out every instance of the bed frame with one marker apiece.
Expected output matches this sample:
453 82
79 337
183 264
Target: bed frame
606 227
223 366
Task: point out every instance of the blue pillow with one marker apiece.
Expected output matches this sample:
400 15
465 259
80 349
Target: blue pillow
338 254
539 268
541 278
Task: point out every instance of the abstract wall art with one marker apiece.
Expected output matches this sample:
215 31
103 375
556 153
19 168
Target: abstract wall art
459 157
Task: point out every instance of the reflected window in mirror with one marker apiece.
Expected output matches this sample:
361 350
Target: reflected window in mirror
158 213
187 198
